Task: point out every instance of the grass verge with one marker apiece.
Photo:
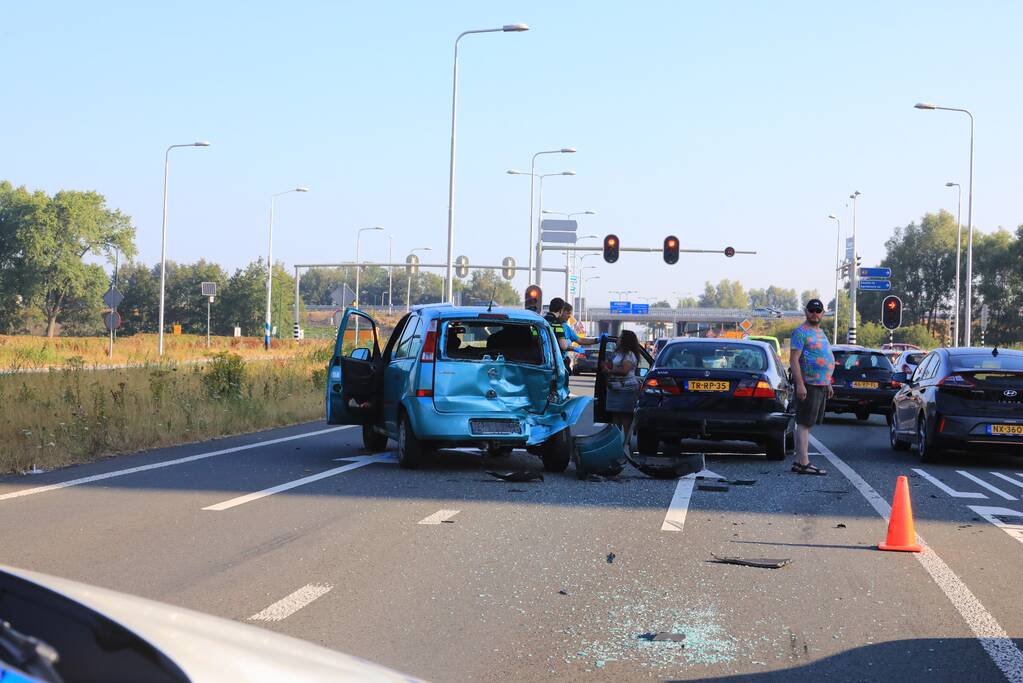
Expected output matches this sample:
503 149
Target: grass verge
68 415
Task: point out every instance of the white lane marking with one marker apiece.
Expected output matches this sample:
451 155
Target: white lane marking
249 497
285 607
989 487
993 638
166 463
675 519
1017 482
948 489
989 513
439 517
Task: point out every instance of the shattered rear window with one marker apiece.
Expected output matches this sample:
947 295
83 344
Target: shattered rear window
473 340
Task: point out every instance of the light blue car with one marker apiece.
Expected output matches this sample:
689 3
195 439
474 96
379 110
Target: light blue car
454 376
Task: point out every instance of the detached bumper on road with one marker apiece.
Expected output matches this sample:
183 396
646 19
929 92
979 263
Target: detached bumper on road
739 426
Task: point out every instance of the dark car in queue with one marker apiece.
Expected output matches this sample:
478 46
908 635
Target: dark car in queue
960 398
863 382
718 389
586 360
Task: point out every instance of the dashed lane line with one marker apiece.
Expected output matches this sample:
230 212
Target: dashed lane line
948 489
980 482
286 606
165 463
992 515
439 517
993 638
1017 482
249 497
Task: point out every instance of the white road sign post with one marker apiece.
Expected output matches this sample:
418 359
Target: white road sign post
209 290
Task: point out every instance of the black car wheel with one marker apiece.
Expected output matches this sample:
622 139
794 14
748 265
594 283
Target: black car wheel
557 451
777 446
647 442
410 448
863 414
925 449
893 435
373 441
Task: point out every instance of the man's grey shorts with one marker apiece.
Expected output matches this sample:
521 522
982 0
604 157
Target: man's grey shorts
810 410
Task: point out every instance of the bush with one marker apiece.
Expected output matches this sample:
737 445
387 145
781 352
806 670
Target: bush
871 335
224 377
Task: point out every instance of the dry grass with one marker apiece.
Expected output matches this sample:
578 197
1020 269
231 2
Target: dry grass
25 352
68 415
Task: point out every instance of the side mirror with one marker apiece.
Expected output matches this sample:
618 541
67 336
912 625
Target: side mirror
360 354
901 378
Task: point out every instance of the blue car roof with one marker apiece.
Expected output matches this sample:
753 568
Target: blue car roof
450 311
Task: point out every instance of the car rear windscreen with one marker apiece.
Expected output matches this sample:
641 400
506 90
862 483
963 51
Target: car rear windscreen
860 361
712 356
473 339
915 358
988 362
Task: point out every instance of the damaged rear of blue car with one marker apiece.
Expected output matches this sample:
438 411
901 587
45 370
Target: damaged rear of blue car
454 376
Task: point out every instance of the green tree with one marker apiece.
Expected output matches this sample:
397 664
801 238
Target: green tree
47 240
482 284
140 309
727 294
998 269
807 295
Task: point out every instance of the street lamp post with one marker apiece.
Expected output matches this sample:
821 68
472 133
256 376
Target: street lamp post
586 307
270 265
539 253
959 258
508 28
838 253
390 273
408 289
163 247
967 312
532 183
853 283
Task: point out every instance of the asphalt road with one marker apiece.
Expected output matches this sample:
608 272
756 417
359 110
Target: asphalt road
517 580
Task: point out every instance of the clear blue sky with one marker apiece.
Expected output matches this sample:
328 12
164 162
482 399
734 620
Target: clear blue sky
738 124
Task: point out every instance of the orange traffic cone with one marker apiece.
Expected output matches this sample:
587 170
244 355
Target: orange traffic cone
901 534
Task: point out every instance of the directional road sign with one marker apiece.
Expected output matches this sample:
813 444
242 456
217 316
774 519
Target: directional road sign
876 272
875 285
849 249
621 307
559 225
559 237
640 309
112 298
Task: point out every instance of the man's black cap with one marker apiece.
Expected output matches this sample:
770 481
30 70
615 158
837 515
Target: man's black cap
814 304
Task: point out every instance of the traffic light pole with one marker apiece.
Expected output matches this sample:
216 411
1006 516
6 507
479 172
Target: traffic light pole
853 284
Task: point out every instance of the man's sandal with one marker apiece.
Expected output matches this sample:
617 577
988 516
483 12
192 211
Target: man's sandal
807 469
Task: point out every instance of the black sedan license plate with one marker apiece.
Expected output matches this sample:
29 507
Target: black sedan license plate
1005 430
494 427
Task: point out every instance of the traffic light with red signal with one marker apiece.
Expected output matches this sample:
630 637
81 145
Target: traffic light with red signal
611 247
891 312
534 298
671 250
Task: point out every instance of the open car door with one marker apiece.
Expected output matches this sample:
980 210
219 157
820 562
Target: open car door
353 394
608 345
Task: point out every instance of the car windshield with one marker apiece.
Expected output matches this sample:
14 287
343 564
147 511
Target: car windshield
713 356
472 340
988 362
853 361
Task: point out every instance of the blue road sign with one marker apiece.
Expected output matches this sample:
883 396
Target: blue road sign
875 285
876 272
621 307
641 309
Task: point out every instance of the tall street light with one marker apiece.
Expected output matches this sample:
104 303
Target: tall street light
959 258
539 254
586 307
853 283
270 265
509 28
838 252
532 183
408 289
967 314
163 248
390 273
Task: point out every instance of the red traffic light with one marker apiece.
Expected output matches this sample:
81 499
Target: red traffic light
729 252
533 298
892 304
670 249
891 312
611 248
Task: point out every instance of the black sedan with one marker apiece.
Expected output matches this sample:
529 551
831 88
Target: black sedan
586 360
863 382
960 398
719 389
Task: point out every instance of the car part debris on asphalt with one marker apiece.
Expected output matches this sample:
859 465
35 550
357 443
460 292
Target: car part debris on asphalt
664 637
712 487
517 476
759 562
840 526
610 558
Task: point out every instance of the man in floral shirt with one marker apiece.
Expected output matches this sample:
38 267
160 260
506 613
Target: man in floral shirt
811 363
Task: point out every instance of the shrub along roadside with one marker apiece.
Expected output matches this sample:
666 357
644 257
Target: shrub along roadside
72 416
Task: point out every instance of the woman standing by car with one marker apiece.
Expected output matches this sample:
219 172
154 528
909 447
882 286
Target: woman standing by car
623 384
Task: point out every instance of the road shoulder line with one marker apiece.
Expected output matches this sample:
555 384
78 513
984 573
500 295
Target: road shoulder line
993 638
165 463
